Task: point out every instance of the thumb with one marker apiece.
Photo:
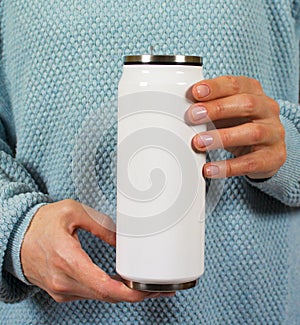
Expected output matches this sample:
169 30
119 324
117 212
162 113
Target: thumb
99 224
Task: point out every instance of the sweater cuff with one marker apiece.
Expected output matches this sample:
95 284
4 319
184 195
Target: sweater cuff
12 260
284 185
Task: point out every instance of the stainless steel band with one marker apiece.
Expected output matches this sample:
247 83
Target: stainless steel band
163 59
160 287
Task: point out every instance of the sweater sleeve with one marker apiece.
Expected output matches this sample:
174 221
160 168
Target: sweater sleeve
285 184
20 198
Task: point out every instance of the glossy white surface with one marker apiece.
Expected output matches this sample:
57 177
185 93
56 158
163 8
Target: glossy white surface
161 191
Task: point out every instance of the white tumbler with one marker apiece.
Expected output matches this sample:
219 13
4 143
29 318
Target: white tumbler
160 187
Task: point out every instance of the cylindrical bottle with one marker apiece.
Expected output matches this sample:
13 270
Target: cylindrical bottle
160 187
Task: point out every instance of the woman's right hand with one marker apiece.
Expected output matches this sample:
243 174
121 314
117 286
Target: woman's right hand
53 259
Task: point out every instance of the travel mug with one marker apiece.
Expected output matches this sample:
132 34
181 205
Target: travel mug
160 187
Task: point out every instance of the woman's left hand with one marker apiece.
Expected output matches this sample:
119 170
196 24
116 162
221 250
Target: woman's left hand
247 124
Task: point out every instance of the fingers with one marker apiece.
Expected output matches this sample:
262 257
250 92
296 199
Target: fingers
242 106
116 291
248 134
225 86
100 286
259 149
256 165
247 122
70 290
93 283
71 275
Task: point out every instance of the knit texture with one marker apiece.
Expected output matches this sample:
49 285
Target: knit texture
61 62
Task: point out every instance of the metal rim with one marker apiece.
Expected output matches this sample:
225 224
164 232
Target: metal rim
160 287
163 59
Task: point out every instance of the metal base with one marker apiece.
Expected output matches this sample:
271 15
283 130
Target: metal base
160 287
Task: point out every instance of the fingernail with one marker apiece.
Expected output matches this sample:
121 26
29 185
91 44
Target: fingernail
205 140
198 112
212 170
202 90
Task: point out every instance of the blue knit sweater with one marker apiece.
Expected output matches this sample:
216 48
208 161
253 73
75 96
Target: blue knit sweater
60 66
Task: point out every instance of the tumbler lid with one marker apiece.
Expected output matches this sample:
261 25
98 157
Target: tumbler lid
163 59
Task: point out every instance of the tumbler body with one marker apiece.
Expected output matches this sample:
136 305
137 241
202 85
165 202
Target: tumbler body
160 187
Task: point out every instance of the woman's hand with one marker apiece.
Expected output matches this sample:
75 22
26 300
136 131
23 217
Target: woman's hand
52 257
247 123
